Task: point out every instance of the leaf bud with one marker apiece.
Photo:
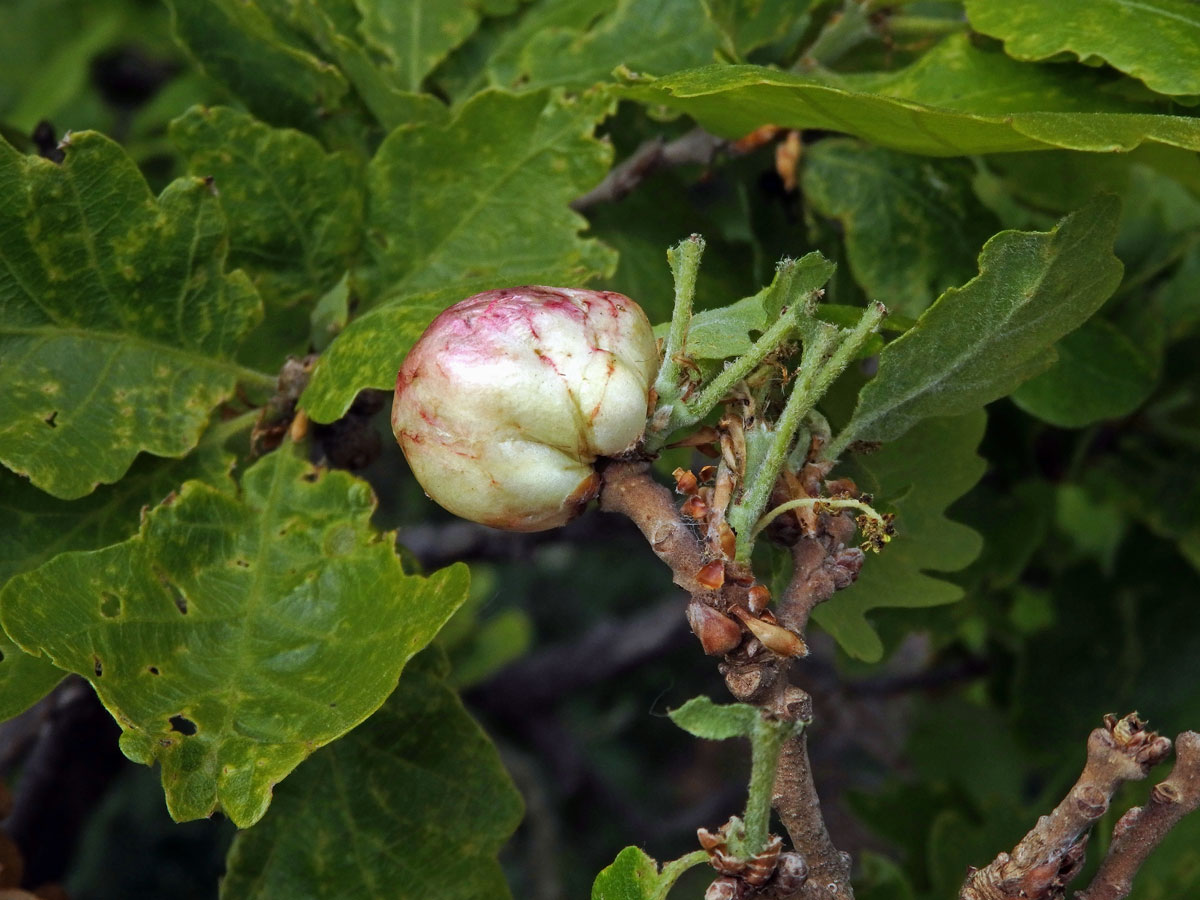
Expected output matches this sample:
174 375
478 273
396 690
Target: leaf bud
509 397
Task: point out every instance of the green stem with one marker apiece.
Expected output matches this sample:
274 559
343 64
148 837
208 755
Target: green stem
684 258
869 511
827 352
747 510
254 379
222 431
672 870
766 741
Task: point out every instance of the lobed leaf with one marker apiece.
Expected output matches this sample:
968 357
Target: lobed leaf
644 35
233 636
415 799
912 225
480 202
980 341
295 212
240 46
1099 374
955 100
415 35
1157 41
35 527
118 322
917 476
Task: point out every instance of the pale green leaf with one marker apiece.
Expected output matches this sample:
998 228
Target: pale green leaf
651 36
917 476
632 876
730 330
956 99
117 320
412 805
242 48
295 212
913 225
1157 41
1099 374
980 341
415 35
233 636
715 722
476 204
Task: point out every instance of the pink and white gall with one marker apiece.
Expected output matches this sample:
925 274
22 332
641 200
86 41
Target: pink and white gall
509 397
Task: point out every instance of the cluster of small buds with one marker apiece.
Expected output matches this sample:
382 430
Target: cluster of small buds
718 633
768 874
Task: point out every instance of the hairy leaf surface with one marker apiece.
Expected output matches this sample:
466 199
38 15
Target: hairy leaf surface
632 876
414 803
955 100
454 209
713 721
916 476
233 636
980 341
1157 41
117 320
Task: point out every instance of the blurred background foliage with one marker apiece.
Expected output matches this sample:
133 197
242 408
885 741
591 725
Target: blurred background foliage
1085 599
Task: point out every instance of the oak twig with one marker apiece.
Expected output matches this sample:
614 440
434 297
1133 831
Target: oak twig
1141 829
696 147
1052 853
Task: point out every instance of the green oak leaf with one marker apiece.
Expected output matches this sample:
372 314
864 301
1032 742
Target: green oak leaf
243 48
492 55
295 212
234 635
980 341
702 718
631 876
747 25
454 209
955 100
34 527
1099 374
916 476
24 679
913 225
1157 41
416 799
643 35
118 322
415 35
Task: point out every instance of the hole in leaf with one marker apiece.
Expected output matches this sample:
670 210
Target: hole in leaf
177 596
153 670
242 563
97 666
110 605
49 420
310 477
183 725
1 656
